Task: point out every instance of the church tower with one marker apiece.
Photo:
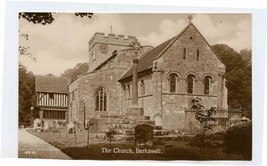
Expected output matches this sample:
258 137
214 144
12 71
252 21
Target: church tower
102 47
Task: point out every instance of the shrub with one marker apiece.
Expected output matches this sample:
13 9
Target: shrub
211 141
238 139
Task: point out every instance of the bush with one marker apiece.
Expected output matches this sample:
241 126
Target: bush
238 139
211 141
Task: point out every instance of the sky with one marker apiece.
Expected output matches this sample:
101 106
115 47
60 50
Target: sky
64 43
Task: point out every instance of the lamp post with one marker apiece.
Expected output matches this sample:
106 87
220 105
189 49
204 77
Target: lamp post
136 47
32 108
84 114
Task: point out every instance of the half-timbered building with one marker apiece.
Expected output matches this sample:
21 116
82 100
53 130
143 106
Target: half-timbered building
52 97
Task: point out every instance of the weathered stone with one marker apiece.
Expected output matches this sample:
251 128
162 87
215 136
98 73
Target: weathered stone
157 105
143 133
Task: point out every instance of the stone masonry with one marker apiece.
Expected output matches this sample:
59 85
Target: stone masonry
110 68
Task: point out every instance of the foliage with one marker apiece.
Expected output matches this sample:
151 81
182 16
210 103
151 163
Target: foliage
246 55
204 118
37 18
238 139
110 135
211 140
46 18
89 15
24 50
238 76
79 69
26 93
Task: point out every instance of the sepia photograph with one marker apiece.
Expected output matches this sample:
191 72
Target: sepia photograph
135 86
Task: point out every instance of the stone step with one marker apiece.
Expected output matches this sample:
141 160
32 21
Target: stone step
150 122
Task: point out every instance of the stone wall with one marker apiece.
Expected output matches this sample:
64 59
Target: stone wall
112 43
171 106
165 107
172 61
88 84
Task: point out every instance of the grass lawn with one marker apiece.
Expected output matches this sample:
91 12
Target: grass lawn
181 149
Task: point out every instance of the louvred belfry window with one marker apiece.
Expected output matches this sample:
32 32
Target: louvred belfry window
101 100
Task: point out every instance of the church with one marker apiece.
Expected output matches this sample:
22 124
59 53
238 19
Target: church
127 79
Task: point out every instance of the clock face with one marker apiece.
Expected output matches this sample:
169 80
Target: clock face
103 48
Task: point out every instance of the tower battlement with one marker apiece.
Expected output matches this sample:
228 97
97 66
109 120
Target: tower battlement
100 37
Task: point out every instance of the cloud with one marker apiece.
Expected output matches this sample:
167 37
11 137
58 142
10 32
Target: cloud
167 30
65 40
237 36
62 44
46 63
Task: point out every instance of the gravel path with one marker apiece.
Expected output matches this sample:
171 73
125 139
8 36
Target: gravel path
31 146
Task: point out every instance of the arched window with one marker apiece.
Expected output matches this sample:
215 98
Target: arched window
173 82
207 84
190 83
101 100
143 90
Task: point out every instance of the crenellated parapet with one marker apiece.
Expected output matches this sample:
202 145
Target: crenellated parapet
110 39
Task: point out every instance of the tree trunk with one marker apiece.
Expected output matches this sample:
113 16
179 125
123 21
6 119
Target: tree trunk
110 145
88 137
203 144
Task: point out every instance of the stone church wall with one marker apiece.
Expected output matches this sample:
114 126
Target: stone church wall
89 83
175 104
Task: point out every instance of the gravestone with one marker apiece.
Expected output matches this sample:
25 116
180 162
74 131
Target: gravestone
144 134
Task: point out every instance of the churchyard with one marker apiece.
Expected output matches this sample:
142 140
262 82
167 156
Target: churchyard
169 147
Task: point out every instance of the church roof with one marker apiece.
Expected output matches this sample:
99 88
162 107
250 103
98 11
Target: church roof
146 61
52 84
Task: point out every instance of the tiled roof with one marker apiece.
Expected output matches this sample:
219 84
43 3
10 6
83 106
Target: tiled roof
52 84
146 60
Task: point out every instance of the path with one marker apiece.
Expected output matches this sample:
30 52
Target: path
31 146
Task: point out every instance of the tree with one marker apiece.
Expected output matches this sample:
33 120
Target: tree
246 55
79 69
46 18
204 118
238 139
89 124
238 76
110 135
26 94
